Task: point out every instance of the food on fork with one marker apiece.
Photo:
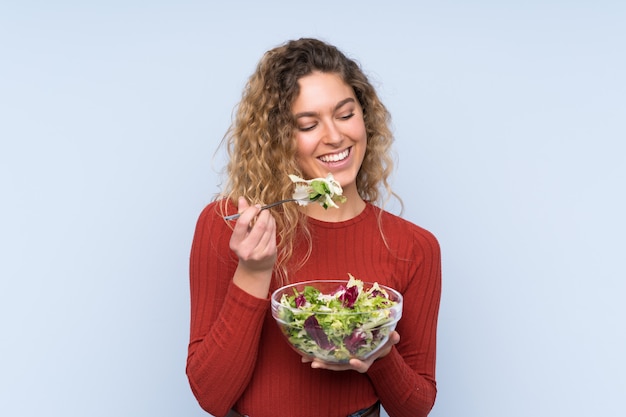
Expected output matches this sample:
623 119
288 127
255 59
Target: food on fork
326 191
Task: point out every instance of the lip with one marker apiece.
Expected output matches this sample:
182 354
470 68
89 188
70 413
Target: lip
337 163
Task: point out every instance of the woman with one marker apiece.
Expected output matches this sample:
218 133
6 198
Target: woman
308 110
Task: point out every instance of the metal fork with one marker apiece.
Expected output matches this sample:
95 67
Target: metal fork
288 200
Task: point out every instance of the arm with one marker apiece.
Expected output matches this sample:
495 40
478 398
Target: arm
405 378
228 305
403 372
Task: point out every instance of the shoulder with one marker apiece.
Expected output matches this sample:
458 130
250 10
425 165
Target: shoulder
212 233
393 221
212 216
218 209
396 228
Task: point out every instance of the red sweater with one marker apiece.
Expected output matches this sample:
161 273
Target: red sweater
238 358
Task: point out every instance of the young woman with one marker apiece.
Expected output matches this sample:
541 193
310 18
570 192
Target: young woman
308 110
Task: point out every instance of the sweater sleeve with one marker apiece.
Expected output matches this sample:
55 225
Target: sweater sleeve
226 321
405 379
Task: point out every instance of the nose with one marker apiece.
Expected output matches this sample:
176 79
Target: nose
332 134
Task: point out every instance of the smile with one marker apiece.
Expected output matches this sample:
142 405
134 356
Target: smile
336 157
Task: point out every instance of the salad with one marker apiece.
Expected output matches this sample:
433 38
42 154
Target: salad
350 322
327 190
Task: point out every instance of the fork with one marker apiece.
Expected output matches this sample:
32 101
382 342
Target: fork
276 203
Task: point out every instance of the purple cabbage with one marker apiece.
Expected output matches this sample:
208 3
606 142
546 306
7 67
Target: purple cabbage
300 300
354 341
315 332
348 298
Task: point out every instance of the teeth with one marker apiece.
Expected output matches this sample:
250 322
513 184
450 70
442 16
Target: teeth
335 157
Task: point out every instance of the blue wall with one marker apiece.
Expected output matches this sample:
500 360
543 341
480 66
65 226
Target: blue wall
510 132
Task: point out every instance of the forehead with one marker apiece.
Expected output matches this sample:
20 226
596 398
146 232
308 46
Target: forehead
320 90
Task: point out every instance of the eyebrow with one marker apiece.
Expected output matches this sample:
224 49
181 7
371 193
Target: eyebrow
337 107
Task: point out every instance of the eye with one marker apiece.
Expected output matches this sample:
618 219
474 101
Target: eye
346 116
307 127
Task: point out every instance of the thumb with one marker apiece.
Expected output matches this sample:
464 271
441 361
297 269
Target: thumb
242 204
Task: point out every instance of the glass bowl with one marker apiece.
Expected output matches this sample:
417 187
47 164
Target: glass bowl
335 321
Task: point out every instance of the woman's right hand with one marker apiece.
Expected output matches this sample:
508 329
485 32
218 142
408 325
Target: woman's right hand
254 242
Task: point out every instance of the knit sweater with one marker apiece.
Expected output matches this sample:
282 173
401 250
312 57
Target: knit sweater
238 359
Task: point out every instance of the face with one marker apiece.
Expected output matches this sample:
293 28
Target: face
330 131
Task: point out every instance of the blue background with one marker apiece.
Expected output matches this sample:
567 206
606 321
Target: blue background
510 126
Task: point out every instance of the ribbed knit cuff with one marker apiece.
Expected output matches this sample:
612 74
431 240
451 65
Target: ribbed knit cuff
246 307
387 374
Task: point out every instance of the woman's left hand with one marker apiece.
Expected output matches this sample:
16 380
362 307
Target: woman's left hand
355 364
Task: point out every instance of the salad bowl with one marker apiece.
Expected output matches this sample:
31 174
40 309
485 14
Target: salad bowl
336 320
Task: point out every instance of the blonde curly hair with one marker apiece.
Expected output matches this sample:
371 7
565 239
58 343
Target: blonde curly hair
261 140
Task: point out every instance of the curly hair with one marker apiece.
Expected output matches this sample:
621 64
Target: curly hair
261 140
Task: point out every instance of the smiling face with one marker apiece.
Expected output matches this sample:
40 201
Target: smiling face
330 131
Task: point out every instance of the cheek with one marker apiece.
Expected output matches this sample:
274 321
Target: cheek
359 136
358 130
304 146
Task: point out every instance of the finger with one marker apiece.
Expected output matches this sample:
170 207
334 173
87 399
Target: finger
359 365
352 365
394 338
242 204
264 230
247 218
318 364
257 243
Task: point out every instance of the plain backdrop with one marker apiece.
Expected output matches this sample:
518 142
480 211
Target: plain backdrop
510 126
